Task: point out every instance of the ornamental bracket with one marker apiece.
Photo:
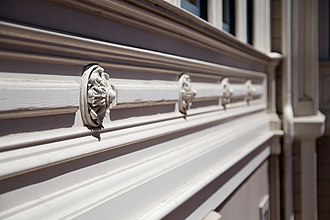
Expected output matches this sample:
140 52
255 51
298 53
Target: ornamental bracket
250 91
187 93
96 96
227 91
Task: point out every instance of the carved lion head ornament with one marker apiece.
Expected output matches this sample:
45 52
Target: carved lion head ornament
96 95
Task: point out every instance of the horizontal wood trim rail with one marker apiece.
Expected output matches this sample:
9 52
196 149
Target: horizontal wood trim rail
65 146
157 166
49 47
48 97
40 46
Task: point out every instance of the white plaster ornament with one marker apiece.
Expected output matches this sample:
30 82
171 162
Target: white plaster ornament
227 91
250 91
187 93
96 96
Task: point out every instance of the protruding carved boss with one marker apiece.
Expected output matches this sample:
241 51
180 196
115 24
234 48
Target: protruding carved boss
227 91
250 90
187 93
96 95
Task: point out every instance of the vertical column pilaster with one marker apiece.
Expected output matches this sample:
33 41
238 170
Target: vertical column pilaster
308 122
241 23
274 179
307 129
261 32
175 2
305 55
308 180
214 8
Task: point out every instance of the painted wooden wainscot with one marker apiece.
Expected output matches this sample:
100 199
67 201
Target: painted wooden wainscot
97 130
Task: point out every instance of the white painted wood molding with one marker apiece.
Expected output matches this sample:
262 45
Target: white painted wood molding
230 185
99 192
77 51
101 171
179 26
59 97
17 161
133 93
213 215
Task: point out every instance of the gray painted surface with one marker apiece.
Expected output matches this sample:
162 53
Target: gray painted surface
244 203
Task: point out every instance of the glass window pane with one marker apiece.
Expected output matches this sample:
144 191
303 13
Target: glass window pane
249 21
191 6
193 2
197 7
228 13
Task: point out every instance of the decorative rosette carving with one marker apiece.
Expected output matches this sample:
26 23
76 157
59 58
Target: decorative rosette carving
97 95
187 93
227 91
250 90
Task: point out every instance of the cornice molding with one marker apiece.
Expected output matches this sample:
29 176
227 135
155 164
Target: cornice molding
53 47
167 19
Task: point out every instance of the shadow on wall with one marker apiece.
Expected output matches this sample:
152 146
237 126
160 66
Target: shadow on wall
323 177
11 126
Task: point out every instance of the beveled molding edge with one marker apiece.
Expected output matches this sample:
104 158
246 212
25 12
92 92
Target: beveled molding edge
96 95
